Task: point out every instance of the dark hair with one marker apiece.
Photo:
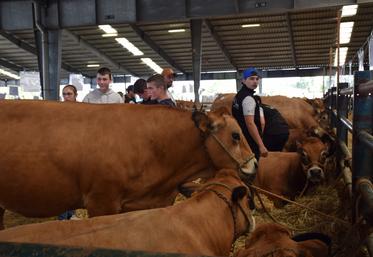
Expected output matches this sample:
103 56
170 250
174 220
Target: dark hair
139 86
72 87
104 71
158 81
129 88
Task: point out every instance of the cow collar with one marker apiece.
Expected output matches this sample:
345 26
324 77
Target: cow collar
239 164
249 220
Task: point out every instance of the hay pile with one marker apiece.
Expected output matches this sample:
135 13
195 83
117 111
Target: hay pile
345 238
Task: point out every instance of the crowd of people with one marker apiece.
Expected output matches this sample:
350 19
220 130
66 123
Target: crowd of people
154 90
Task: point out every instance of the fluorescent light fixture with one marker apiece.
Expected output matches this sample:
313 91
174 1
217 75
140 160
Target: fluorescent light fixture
9 74
152 65
345 31
93 65
129 46
343 54
176 30
250 25
110 35
349 10
108 29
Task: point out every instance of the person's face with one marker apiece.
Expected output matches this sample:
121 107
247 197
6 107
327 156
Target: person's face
146 94
252 82
131 94
154 91
103 82
169 79
68 95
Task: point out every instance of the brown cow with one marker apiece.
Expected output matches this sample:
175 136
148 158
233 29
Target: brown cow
109 158
274 240
286 173
206 224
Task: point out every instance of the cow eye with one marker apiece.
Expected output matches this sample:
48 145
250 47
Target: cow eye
236 136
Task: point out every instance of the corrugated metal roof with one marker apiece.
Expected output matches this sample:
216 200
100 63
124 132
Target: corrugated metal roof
268 46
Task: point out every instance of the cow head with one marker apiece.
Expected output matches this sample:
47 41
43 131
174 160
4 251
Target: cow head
314 152
225 142
271 239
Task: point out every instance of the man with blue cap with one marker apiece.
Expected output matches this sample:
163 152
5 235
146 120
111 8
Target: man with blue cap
245 110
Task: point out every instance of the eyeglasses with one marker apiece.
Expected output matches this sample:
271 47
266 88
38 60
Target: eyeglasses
69 93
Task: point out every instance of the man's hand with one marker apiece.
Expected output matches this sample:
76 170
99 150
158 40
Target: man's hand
263 151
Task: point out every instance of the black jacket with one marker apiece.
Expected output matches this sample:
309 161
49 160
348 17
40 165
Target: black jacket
237 112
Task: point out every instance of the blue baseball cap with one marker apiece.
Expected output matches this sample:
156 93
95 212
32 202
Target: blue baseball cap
250 72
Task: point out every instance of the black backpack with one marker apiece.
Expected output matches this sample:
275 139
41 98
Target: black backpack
275 123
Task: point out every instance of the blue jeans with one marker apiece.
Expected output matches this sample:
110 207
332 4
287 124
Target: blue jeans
66 215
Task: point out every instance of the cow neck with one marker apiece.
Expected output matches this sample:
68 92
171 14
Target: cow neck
231 207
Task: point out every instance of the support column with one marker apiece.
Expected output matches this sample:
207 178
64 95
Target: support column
196 31
362 121
342 111
48 44
93 83
238 81
54 65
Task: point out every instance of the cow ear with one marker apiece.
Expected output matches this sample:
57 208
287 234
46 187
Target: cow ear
238 193
201 120
330 142
188 188
302 153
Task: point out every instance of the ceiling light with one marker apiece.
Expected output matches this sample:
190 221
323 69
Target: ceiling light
93 65
108 29
250 25
152 65
343 54
110 35
345 31
176 30
9 74
349 10
129 46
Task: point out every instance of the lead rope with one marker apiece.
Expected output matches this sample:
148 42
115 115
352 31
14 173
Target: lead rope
234 216
230 154
300 205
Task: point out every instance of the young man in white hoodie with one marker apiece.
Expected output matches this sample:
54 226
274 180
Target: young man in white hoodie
103 94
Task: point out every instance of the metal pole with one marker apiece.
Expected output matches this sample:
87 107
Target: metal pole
362 124
43 63
196 30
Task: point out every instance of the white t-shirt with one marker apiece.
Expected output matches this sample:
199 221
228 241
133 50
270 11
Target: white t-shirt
248 106
97 97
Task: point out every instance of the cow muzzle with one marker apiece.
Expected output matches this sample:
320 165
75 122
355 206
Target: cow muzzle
248 169
315 174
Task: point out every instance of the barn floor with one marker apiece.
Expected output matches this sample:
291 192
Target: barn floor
298 219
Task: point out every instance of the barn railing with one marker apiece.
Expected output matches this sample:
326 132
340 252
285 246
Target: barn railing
356 168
